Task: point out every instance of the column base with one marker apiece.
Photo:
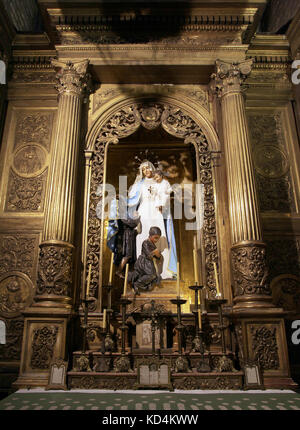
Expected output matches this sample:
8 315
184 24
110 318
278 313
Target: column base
262 340
44 339
250 302
52 301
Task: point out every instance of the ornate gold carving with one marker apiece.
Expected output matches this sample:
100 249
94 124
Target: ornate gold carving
29 160
82 364
212 334
104 383
199 383
150 116
222 364
142 33
72 77
34 127
14 334
250 271
191 91
229 76
26 194
43 343
271 163
177 123
18 252
122 364
264 347
37 77
16 292
54 270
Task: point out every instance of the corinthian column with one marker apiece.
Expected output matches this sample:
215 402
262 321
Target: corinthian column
248 249
56 250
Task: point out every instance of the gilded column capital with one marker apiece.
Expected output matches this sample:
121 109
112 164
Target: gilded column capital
72 77
229 76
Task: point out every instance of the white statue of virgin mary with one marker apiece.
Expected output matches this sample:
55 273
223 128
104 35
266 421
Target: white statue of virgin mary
143 198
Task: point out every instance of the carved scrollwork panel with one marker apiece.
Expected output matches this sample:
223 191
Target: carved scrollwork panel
271 163
34 127
250 270
18 253
55 270
26 194
264 346
14 334
43 343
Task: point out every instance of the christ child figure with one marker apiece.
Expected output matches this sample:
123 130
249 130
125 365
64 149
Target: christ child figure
163 190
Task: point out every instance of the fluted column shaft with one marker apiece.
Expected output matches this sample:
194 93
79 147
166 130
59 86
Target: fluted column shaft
56 250
248 250
59 217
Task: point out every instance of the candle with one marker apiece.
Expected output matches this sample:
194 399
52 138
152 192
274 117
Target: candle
88 281
217 279
199 318
178 281
111 268
104 318
125 281
195 266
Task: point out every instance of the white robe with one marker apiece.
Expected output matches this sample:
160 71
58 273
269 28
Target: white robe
150 216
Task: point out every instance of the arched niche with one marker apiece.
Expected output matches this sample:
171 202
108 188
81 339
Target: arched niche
113 127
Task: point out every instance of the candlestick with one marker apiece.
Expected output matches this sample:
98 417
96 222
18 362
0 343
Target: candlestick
88 281
195 266
104 318
178 281
199 318
109 299
111 268
217 279
125 281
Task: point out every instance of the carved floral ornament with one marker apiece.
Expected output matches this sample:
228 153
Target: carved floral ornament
176 122
250 270
229 76
72 76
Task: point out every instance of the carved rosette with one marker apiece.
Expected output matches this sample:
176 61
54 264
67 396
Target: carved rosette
55 271
250 271
177 123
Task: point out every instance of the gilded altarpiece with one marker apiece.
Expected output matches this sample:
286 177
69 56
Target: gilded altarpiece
149 116
276 180
26 154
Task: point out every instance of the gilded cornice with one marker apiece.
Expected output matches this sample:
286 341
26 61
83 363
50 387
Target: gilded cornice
134 22
33 67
